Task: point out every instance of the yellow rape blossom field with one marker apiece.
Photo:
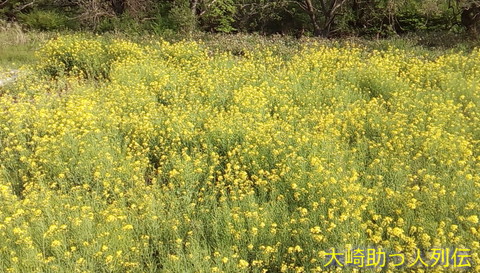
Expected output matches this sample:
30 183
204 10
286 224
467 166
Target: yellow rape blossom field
118 156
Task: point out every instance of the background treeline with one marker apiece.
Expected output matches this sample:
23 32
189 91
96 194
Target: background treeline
293 17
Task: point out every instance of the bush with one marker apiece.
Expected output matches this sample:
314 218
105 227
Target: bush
87 58
182 18
45 20
124 24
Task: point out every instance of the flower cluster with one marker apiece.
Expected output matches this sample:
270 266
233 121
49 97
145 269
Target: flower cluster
187 160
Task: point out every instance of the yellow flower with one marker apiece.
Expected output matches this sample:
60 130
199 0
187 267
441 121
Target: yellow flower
173 257
397 231
109 259
315 230
56 243
243 264
473 219
127 227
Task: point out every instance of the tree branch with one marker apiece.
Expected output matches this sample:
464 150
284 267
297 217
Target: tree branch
3 3
335 7
206 8
25 6
324 6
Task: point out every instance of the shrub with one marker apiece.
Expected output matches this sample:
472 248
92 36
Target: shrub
45 20
88 58
74 56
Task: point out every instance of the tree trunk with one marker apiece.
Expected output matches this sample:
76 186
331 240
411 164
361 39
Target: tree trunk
317 31
194 8
470 19
327 28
